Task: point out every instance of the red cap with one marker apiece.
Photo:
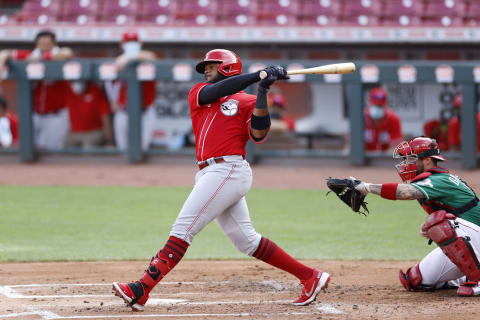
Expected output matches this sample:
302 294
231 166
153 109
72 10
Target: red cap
130 36
378 97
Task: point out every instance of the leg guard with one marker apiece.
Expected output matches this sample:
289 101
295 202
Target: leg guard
457 249
412 279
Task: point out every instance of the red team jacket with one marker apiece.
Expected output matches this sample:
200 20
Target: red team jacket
455 131
223 127
379 136
13 119
48 96
87 109
148 94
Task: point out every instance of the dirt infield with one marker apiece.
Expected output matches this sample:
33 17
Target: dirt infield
212 289
221 290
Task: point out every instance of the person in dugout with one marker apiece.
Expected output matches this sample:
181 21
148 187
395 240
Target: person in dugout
89 114
438 128
280 121
383 129
8 126
455 128
50 115
117 93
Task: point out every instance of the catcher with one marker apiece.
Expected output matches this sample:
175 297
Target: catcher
453 221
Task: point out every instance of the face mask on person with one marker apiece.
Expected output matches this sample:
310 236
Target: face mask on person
376 112
78 86
132 48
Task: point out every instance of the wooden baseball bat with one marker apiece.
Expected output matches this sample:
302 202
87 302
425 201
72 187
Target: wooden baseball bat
336 68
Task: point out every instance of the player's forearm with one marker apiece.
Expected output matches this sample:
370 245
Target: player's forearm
225 87
260 120
403 191
63 54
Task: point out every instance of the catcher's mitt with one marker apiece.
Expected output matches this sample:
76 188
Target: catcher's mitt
345 190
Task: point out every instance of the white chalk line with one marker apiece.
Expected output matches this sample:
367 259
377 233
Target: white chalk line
109 284
9 292
52 316
328 308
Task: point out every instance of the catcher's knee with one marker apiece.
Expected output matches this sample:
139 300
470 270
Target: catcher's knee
441 228
412 279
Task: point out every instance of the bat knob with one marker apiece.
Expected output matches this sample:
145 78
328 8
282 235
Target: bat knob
263 74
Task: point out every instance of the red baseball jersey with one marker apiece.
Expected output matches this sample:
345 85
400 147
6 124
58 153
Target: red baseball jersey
379 136
87 109
221 128
148 94
13 119
455 132
439 131
49 96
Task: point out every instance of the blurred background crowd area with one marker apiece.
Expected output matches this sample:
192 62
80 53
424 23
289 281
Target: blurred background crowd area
310 115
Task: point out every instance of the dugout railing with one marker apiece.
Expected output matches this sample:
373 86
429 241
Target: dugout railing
465 74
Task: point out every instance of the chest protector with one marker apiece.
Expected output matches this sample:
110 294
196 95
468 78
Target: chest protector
432 205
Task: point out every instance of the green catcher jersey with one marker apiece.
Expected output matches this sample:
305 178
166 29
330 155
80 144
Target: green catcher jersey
449 190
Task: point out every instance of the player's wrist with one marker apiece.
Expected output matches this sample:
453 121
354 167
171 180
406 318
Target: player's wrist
389 191
367 186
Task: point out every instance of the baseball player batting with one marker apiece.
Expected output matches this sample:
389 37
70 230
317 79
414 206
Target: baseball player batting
223 119
453 220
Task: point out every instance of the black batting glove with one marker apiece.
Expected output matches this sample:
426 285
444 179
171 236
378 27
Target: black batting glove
274 73
278 71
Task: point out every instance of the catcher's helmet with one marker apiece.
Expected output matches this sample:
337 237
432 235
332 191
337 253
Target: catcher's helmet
457 101
410 151
230 63
378 97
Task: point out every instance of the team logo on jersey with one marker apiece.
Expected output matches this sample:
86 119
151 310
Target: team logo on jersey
229 107
425 182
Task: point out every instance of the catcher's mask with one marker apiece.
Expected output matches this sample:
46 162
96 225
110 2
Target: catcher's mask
409 152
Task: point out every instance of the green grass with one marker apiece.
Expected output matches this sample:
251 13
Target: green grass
117 223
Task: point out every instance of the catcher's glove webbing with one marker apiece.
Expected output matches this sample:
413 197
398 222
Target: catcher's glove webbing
345 190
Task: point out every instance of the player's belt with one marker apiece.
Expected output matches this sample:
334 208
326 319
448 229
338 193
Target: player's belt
210 161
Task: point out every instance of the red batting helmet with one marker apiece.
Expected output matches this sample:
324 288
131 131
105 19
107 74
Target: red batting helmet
230 63
457 101
130 36
378 97
415 148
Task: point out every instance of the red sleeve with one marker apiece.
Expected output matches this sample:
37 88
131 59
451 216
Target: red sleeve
149 93
14 127
454 132
395 127
290 122
193 95
20 54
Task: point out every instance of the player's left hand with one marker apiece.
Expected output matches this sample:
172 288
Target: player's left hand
363 187
279 72
346 190
274 73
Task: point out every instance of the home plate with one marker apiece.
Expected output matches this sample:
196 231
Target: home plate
165 301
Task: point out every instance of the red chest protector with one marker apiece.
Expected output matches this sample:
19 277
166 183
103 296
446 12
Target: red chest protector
431 205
